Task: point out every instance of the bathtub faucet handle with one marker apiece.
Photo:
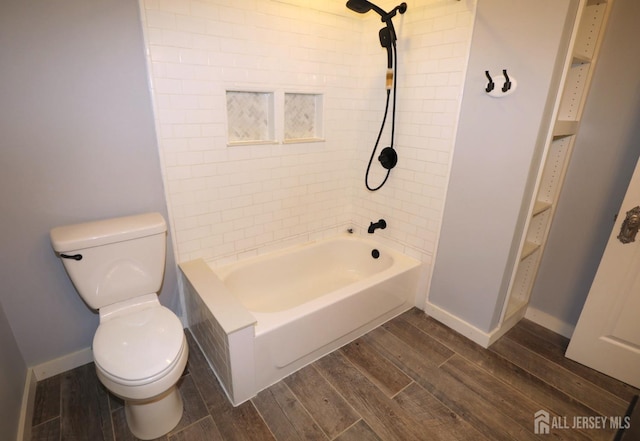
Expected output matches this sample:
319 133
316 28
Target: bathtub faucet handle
374 226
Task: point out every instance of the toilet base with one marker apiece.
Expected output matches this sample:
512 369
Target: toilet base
149 419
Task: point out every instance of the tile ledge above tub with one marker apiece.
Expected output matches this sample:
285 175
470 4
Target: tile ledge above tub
302 140
232 316
256 142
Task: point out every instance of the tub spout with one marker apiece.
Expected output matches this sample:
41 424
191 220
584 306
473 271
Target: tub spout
380 224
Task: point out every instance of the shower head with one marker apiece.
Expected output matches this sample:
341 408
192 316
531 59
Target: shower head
364 6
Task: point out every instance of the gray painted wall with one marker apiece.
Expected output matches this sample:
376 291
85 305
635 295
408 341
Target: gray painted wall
13 372
496 142
604 156
78 143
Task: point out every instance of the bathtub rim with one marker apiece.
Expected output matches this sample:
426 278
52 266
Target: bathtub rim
223 270
266 322
230 313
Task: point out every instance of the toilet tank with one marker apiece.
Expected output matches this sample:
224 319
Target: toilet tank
113 260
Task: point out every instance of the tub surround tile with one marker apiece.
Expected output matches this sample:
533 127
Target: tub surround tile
232 315
211 340
226 339
323 50
205 380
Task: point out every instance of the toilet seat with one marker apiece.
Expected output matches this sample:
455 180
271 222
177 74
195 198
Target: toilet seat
139 347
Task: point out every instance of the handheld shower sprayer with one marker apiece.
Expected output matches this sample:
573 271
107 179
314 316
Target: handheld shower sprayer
388 157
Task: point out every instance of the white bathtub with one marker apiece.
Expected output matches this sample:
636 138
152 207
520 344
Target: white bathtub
273 314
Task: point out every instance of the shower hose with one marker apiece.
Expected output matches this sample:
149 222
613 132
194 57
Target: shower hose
384 119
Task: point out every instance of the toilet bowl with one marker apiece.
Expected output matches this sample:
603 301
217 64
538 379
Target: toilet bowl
140 350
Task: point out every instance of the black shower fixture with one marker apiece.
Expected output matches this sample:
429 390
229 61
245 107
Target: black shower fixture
363 6
388 33
388 157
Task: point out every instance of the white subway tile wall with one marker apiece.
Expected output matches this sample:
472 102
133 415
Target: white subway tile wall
229 202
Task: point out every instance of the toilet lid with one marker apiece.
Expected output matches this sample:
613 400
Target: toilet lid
138 345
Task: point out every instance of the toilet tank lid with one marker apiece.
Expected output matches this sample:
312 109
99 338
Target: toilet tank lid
101 232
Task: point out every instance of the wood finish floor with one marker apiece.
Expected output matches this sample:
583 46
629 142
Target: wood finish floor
410 379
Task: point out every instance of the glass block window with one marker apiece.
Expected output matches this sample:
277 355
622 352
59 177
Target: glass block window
302 117
250 117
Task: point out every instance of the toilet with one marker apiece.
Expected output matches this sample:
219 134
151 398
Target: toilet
140 350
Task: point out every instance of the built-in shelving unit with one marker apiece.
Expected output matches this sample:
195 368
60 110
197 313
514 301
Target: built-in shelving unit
574 89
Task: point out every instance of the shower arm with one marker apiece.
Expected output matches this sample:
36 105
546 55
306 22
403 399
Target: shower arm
386 17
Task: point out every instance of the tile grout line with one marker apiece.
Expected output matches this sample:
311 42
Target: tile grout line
195 385
305 408
566 371
263 419
438 399
345 430
113 426
404 388
337 391
514 364
455 353
170 434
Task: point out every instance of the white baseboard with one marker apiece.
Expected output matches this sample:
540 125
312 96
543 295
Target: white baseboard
26 410
459 325
550 322
63 364
485 339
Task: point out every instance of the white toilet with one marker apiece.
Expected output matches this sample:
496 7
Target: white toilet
139 348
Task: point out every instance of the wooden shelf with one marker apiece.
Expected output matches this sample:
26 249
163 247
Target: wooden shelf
528 249
580 62
540 207
581 59
565 128
515 307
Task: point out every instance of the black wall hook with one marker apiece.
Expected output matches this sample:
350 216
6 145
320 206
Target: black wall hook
491 84
507 81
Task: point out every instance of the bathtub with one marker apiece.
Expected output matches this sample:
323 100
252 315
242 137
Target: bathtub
261 319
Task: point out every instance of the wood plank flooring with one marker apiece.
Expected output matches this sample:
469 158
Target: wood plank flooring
410 379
